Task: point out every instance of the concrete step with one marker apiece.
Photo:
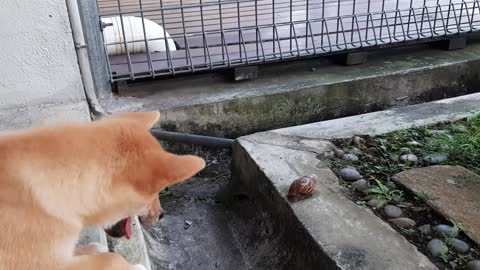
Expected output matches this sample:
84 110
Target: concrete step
346 235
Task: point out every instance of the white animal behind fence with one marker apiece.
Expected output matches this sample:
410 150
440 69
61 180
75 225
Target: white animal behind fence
134 35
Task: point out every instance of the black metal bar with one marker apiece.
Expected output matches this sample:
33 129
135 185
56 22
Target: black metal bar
233 33
147 49
192 139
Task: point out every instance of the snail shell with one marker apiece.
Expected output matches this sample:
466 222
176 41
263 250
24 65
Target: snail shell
302 187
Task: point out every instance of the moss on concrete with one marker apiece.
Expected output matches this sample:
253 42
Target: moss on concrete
292 94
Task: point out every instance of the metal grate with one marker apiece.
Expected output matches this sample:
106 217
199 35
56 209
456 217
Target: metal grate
215 34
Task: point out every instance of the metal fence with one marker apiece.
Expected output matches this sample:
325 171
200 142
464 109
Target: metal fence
198 35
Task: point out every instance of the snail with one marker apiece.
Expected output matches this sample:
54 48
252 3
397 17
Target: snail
302 188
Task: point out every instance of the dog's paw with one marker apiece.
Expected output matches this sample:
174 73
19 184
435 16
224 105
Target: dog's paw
139 267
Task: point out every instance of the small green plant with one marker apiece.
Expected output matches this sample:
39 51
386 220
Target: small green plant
423 197
444 257
457 228
361 202
382 192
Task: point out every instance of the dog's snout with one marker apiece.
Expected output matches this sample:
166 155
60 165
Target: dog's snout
152 217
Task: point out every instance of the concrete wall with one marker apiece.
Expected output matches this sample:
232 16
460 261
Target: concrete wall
40 79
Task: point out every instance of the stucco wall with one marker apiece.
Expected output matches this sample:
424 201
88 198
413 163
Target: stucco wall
40 79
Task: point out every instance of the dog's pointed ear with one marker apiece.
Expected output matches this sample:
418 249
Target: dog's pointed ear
173 169
147 119
182 167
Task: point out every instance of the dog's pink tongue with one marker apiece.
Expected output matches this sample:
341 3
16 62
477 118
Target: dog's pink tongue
128 228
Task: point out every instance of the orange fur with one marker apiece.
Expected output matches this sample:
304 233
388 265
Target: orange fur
55 180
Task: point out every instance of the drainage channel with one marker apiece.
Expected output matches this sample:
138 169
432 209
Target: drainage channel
208 227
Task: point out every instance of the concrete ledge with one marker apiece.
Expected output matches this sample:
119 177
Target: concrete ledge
349 235
376 123
92 235
346 236
133 250
304 91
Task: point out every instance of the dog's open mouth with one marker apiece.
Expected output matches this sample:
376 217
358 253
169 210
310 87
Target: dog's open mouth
121 229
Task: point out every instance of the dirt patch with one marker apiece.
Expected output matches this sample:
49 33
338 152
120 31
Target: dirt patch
207 226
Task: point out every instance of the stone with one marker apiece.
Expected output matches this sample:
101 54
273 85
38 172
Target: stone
355 151
414 143
406 205
187 225
403 222
439 131
361 185
405 150
473 265
425 229
452 181
394 157
436 247
436 158
458 202
350 174
350 157
445 229
339 152
459 128
409 158
445 147
458 245
376 203
358 141
392 211
329 154
391 185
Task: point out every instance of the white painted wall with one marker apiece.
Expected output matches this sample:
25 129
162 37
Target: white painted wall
40 79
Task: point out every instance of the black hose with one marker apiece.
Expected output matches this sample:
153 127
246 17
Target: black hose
192 139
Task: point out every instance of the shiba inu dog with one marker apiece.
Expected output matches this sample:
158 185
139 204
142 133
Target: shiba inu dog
57 179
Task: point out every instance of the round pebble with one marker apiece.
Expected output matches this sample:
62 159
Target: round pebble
339 152
414 143
350 157
473 265
458 245
405 150
436 247
355 151
350 174
394 157
439 131
408 158
403 222
445 147
425 229
449 230
460 128
391 185
361 185
436 158
392 211
358 141
375 203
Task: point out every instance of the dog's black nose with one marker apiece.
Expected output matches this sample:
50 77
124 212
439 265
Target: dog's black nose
160 216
